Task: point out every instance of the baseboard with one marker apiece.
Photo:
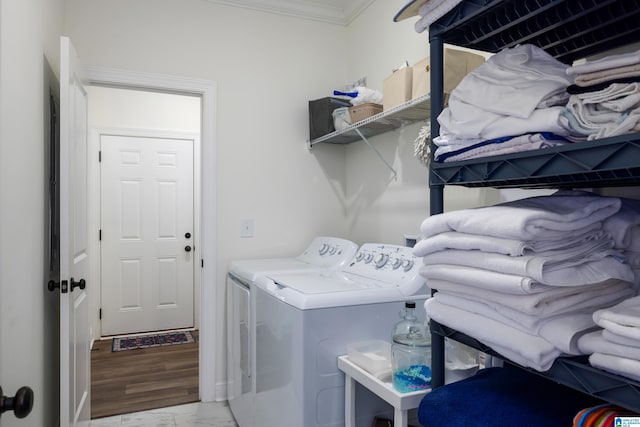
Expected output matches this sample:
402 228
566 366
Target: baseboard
221 391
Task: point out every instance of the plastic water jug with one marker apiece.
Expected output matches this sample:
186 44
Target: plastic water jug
411 353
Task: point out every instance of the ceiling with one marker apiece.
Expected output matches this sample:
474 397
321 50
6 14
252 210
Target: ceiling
340 12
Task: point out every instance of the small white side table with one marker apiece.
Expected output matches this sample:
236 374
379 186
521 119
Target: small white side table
401 402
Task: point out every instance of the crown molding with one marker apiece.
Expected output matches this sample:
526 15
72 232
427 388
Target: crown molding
339 12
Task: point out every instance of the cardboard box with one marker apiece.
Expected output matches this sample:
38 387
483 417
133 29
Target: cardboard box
457 64
364 111
396 89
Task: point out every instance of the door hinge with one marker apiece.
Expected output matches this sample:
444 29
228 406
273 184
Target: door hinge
99 156
100 313
100 234
201 263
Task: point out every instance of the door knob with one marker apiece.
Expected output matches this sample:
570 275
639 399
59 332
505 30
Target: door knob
21 404
80 284
187 248
52 285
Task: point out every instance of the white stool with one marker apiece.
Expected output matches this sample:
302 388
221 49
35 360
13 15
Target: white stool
401 402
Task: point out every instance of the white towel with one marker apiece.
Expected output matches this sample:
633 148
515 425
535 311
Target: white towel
619 339
482 279
516 144
514 81
525 349
466 241
468 121
562 330
624 225
622 319
544 304
594 342
590 79
433 10
612 92
611 61
534 218
586 268
626 367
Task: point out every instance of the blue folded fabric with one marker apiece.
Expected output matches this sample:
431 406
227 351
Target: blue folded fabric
508 396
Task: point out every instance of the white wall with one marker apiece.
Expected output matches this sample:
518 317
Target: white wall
29 40
133 110
381 208
266 68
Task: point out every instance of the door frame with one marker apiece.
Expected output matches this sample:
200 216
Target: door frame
211 388
95 142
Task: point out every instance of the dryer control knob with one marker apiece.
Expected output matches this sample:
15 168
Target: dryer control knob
332 250
368 258
396 263
359 256
381 260
407 264
323 250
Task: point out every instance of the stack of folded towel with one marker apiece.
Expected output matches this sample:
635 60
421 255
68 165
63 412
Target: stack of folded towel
513 102
616 347
605 99
525 277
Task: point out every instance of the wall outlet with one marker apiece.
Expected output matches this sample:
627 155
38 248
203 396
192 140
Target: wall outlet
246 228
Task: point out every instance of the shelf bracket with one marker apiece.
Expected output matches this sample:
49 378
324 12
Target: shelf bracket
395 175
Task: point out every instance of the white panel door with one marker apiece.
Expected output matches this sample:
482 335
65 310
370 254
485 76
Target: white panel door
147 256
74 255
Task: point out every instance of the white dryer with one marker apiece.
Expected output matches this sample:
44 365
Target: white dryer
307 320
323 254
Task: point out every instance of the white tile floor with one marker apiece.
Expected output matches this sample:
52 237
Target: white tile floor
215 414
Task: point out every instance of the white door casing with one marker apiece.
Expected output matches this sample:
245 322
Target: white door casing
210 387
74 255
147 229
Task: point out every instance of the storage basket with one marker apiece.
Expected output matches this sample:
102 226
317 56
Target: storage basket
364 111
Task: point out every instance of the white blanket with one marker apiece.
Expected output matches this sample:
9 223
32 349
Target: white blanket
534 218
622 319
514 81
585 268
525 349
626 367
512 247
543 304
594 342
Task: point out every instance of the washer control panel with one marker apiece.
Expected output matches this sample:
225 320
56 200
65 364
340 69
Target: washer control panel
390 263
330 252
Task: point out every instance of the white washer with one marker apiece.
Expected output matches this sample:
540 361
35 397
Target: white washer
323 254
306 321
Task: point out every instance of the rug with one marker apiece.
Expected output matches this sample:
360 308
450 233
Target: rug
157 340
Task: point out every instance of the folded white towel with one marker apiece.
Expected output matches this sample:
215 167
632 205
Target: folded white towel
562 330
516 144
552 268
626 367
597 77
544 304
525 349
622 319
534 218
619 339
623 226
468 121
611 61
594 342
482 279
514 81
626 123
612 92
433 10
466 241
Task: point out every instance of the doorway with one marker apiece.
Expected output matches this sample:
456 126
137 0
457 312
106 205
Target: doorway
210 389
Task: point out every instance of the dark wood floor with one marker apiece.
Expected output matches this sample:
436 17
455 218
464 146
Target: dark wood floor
137 380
